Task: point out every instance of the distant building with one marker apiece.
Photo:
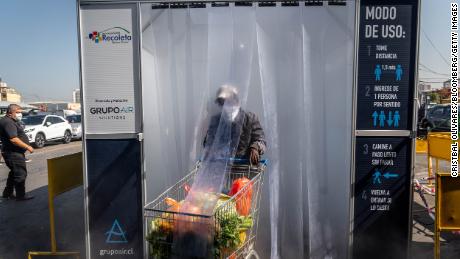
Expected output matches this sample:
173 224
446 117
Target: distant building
74 106
8 94
424 91
55 107
424 87
51 106
76 96
4 106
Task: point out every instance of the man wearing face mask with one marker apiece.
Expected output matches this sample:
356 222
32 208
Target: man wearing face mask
14 144
245 134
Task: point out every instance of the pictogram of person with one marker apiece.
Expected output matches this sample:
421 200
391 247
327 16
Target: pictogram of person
377 72
377 176
398 72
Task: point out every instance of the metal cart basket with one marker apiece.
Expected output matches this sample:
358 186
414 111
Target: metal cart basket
175 234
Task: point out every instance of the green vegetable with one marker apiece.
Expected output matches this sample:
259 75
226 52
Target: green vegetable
228 238
159 241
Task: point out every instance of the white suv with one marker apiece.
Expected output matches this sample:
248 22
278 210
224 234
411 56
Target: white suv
43 128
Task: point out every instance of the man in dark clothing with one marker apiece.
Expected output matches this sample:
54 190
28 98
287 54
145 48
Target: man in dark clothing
237 129
14 144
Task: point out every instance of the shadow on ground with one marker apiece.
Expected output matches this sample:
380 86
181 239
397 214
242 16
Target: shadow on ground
424 226
24 225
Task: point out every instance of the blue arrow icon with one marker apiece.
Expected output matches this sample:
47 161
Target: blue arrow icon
389 175
374 116
377 175
396 118
390 120
382 119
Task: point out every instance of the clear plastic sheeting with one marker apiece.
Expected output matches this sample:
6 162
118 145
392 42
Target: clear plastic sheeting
293 67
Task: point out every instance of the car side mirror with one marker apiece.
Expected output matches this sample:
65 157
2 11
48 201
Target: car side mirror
48 124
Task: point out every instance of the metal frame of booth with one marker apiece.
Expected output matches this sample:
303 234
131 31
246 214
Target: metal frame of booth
139 115
138 135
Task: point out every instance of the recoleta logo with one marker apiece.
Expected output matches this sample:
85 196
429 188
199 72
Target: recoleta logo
113 35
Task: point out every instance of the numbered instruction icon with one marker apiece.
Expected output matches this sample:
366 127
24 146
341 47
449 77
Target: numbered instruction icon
380 119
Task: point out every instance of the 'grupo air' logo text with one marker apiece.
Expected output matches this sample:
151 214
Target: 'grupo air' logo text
111 110
113 35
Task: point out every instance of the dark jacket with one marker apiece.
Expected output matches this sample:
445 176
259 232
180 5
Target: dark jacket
10 128
245 132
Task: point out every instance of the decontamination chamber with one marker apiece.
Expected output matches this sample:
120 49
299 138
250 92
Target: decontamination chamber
150 71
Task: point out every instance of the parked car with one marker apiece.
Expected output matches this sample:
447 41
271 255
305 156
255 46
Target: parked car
442 127
437 119
436 116
41 129
75 122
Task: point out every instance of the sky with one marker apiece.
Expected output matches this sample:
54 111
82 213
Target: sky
39 51
38 48
435 27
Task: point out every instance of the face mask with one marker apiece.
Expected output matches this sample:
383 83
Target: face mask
18 116
230 112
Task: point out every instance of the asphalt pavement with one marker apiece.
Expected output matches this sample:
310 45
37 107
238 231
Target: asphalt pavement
24 225
37 172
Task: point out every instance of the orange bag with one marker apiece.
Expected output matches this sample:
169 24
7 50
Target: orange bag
243 200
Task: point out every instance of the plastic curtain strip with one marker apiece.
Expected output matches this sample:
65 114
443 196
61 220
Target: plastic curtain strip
294 69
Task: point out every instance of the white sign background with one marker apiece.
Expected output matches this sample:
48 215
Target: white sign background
108 73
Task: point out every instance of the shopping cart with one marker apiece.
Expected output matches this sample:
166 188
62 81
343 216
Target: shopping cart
172 233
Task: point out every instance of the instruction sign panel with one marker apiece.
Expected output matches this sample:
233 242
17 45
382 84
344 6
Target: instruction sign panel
383 157
382 191
386 52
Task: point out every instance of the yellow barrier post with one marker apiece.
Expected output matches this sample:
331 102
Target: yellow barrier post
74 254
430 171
447 188
439 149
437 233
439 145
421 146
64 174
447 209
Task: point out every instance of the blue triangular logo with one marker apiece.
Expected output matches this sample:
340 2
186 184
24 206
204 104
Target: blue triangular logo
116 234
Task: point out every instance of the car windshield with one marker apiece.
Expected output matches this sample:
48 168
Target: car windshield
74 118
439 111
33 120
439 117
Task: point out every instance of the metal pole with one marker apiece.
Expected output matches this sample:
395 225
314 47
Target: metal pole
353 131
82 109
437 252
52 223
414 128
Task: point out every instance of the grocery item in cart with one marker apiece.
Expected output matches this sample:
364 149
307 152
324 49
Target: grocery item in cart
194 234
243 199
220 226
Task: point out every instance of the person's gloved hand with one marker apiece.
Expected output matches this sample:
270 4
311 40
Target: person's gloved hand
254 156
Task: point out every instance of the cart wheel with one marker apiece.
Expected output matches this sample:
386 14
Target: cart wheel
252 254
